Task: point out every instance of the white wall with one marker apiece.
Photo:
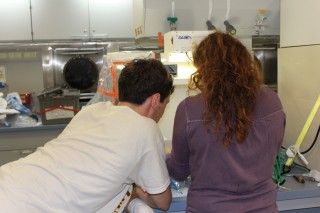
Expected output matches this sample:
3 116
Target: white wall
23 73
193 14
299 22
24 76
298 72
299 88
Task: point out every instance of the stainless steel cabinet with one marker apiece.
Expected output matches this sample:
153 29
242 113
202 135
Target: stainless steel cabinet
15 22
12 155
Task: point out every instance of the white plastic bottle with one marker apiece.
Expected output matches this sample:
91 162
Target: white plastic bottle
3 105
3 102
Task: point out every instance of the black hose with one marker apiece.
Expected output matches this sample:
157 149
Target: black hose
313 143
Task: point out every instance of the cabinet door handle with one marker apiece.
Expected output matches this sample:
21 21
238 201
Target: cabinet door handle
79 36
99 35
26 152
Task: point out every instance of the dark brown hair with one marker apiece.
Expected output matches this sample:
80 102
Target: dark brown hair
228 78
141 78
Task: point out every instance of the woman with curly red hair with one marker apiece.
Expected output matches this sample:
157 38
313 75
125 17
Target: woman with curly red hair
228 135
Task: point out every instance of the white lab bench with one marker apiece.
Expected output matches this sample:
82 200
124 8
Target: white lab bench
294 198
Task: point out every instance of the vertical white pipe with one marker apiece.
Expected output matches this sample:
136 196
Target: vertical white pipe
172 9
210 9
228 9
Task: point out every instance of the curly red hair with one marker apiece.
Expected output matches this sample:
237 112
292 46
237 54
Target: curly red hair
228 77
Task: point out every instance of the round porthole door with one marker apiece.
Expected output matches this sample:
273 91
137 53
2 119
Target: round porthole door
81 73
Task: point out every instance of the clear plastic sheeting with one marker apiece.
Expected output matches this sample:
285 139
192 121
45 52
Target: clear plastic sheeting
105 85
21 120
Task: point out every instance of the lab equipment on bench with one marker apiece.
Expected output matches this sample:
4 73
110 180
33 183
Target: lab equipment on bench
292 151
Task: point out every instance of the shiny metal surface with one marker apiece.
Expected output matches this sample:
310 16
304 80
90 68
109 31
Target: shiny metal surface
62 56
55 55
268 60
265 48
46 52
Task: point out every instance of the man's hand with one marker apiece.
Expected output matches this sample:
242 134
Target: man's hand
159 201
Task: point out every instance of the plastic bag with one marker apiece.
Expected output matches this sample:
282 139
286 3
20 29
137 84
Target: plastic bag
14 102
178 185
105 85
21 120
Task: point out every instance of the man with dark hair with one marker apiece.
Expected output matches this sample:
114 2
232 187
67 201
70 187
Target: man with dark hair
92 164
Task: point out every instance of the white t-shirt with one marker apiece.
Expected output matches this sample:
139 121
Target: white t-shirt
101 151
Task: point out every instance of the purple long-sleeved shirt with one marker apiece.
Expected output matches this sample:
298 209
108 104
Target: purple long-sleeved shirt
235 179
